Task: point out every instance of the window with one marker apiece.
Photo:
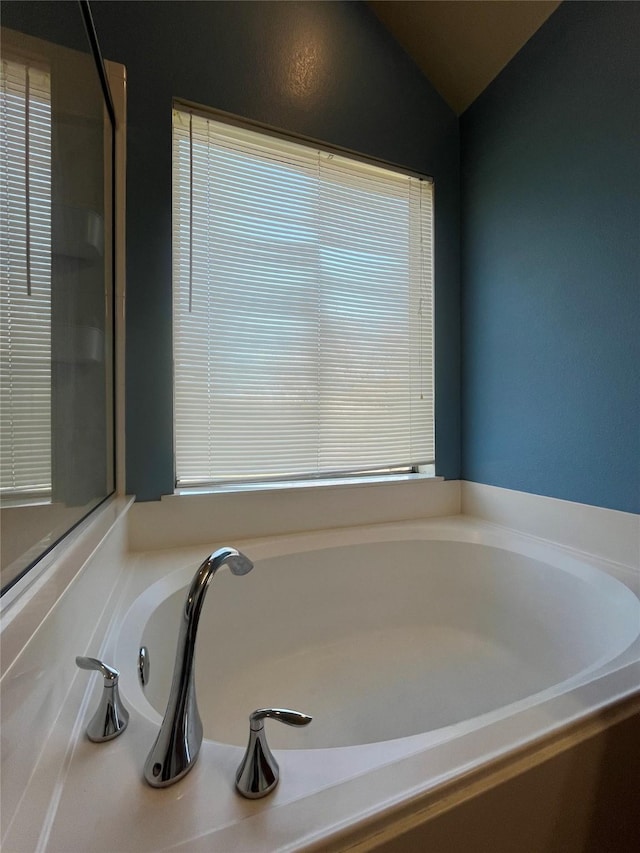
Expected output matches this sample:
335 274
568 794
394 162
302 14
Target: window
303 319
25 267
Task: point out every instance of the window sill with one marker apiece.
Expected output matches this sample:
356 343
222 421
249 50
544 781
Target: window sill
294 485
209 518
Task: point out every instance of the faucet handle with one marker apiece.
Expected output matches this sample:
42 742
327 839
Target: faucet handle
258 772
108 672
112 717
283 715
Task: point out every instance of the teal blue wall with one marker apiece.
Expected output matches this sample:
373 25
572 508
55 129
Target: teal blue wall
551 289
361 92
551 306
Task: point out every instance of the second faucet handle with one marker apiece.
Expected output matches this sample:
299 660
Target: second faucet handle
258 772
112 717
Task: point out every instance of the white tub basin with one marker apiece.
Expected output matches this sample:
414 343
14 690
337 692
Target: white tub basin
380 637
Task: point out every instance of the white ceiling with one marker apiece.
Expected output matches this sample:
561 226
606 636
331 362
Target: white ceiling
461 45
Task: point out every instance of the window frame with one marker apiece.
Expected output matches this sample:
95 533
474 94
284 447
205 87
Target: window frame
356 475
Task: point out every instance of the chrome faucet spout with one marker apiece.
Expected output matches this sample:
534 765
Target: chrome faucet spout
178 743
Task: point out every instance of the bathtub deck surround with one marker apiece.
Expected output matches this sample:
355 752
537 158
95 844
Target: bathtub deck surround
64 612
192 519
606 533
330 797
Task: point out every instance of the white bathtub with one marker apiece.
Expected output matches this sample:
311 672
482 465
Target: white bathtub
442 660
393 636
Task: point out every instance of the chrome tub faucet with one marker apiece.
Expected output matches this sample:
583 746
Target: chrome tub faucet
180 736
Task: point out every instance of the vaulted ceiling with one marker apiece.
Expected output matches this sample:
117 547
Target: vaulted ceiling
461 45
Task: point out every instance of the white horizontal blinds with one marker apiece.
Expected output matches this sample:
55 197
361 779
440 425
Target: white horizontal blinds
421 319
245 355
371 410
297 289
25 268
